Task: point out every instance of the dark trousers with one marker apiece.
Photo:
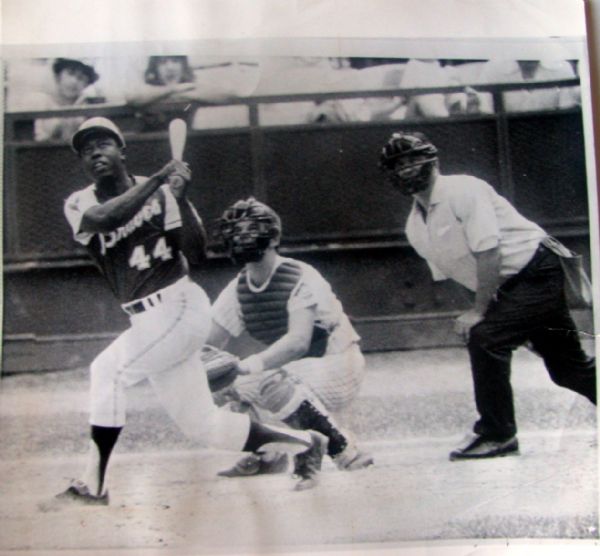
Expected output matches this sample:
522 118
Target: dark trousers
530 306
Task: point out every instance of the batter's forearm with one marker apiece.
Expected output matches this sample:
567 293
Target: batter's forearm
118 211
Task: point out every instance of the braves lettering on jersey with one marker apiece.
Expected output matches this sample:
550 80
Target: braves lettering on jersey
139 257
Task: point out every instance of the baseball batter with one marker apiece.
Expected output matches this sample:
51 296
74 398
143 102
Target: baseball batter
311 365
139 230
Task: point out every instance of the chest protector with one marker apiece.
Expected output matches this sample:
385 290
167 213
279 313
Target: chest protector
265 312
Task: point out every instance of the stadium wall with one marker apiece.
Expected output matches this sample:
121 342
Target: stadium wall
337 215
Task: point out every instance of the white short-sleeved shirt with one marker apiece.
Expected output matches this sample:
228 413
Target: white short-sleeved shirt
426 73
507 71
44 129
312 290
467 216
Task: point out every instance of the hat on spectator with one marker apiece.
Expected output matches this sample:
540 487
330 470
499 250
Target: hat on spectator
64 63
95 125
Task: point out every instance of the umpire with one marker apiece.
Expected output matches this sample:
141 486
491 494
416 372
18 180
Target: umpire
470 234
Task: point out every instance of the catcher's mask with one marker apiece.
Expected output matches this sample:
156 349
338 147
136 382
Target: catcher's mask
247 228
407 160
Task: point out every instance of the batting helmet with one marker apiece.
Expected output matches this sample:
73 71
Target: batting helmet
96 125
408 160
247 228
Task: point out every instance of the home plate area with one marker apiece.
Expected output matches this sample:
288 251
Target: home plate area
415 407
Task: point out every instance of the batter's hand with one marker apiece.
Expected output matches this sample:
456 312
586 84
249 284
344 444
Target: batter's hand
178 174
466 321
175 167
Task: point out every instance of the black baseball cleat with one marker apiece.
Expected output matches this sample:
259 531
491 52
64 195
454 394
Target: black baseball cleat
307 464
78 494
257 464
479 447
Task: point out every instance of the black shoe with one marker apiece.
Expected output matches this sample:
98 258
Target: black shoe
479 447
257 464
307 464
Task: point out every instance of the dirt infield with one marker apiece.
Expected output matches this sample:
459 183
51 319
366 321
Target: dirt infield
413 409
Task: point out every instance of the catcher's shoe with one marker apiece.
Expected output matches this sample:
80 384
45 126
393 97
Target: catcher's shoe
257 464
307 464
479 447
78 494
351 460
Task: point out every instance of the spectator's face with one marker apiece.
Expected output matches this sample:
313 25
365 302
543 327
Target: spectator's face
70 83
170 70
101 156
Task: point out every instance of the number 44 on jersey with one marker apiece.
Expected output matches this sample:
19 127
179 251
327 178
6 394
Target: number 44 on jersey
142 260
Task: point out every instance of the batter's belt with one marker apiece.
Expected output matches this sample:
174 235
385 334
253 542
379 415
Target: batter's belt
154 299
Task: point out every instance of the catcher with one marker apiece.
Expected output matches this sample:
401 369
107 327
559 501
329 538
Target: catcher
311 367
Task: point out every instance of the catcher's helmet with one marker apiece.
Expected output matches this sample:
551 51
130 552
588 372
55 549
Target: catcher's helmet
247 228
408 160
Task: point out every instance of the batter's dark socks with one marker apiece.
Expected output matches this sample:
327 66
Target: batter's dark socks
260 434
105 438
307 416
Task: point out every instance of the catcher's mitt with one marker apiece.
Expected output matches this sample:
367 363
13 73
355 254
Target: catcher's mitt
221 367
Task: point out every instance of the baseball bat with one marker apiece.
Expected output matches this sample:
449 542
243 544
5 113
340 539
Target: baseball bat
177 137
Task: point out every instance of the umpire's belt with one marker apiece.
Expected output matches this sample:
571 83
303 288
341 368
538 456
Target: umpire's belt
141 305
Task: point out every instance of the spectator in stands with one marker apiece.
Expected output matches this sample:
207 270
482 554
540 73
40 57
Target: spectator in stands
389 108
72 86
408 74
413 74
426 73
172 79
365 109
358 110
165 78
296 75
464 73
529 71
333 111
